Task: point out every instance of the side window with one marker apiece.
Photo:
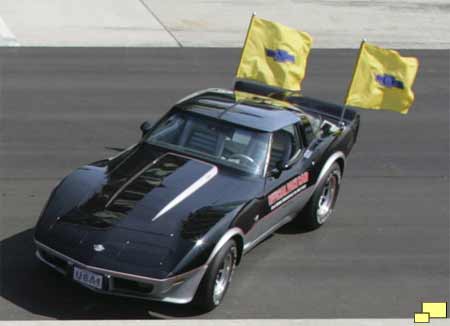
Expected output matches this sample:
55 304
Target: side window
294 134
310 128
285 144
169 130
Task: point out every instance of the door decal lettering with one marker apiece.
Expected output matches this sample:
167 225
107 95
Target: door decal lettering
288 190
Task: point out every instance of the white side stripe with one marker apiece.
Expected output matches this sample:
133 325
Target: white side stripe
188 191
289 196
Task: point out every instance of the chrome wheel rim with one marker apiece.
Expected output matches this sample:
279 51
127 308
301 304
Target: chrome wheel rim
223 277
327 199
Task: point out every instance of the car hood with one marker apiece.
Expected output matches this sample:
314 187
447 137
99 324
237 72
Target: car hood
146 209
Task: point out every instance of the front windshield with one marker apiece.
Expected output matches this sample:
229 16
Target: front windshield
213 140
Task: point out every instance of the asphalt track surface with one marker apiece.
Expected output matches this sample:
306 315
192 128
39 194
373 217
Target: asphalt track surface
384 251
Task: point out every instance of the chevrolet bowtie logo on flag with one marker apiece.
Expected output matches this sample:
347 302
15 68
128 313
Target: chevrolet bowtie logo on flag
383 79
389 81
280 55
274 54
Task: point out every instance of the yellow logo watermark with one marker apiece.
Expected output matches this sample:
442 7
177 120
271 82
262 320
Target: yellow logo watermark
431 310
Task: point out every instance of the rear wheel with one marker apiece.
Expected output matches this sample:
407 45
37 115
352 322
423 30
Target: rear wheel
218 277
321 205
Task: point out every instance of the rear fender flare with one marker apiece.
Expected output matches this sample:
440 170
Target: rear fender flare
333 158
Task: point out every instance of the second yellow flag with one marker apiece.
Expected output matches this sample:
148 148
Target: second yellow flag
382 80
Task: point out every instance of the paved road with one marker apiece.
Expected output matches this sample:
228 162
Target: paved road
384 251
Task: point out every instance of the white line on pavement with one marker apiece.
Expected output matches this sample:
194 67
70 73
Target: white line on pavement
6 36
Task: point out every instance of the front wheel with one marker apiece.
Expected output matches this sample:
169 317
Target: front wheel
218 277
321 205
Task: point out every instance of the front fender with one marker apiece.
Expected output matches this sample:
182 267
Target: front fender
75 187
208 245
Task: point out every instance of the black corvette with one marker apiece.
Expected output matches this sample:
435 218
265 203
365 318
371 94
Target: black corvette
169 218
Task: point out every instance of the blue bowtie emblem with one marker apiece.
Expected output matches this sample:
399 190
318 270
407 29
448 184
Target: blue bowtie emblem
280 55
389 81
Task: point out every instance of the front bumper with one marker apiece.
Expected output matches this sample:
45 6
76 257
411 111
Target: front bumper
177 289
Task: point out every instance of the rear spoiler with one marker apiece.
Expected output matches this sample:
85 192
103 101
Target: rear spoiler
307 104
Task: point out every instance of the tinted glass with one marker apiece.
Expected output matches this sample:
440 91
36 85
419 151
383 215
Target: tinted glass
214 140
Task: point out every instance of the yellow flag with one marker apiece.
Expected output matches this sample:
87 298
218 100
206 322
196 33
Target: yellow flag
274 54
382 80
435 309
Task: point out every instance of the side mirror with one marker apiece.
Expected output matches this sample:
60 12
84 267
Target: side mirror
279 168
145 127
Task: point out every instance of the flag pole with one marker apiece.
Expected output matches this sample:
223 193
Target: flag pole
344 107
243 47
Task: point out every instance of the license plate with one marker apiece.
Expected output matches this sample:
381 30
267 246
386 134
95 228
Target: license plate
88 278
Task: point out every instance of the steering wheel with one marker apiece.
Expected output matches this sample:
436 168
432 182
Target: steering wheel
246 158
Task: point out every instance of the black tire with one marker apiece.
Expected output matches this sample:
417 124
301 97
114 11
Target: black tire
205 298
310 217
